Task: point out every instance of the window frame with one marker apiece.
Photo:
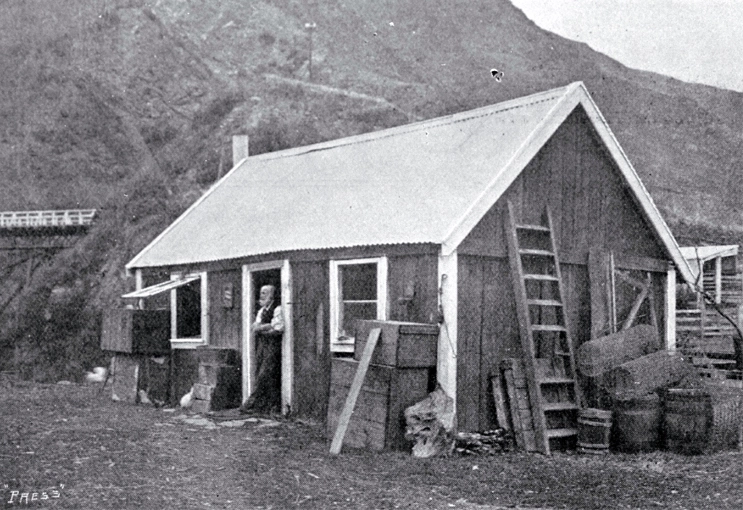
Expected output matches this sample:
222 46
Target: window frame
337 347
203 339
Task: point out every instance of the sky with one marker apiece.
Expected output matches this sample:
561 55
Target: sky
692 40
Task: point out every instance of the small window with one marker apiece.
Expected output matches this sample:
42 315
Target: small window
188 310
358 290
188 314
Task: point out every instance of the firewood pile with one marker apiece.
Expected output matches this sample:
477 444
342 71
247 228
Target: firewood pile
488 442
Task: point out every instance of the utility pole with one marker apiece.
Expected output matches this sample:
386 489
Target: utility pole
311 27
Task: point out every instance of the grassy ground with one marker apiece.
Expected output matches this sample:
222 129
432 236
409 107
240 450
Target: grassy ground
100 454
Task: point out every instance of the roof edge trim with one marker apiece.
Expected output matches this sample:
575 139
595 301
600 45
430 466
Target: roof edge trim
639 190
513 168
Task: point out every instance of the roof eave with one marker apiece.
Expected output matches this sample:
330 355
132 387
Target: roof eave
134 263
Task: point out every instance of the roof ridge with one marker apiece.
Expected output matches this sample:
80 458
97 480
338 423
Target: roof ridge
483 111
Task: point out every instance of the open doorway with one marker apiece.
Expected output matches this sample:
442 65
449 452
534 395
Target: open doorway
267 331
255 277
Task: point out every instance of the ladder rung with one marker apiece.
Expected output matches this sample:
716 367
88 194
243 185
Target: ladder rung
560 406
562 353
556 380
541 253
537 228
561 432
547 327
544 302
543 277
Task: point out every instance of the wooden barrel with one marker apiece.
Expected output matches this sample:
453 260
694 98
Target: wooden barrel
702 420
594 426
637 424
688 420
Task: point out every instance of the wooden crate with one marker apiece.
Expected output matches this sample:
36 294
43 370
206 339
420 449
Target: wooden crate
136 331
377 421
402 344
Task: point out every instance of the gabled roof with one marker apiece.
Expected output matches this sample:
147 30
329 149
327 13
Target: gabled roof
427 182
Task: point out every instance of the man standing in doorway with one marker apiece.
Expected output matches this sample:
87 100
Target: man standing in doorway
267 329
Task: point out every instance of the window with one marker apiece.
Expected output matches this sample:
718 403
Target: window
358 290
188 313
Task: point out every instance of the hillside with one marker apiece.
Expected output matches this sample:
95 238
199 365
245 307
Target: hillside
129 106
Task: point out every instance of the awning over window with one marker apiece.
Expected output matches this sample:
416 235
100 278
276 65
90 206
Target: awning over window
161 287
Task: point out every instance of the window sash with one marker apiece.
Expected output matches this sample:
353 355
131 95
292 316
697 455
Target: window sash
337 302
203 338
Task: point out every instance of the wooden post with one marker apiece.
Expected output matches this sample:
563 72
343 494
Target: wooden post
353 393
446 367
287 342
612 293
670 309
138 285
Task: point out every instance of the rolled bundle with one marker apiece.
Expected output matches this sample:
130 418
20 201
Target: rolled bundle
601 355
646 374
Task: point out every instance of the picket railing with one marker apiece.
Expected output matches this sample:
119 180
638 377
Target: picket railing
42 219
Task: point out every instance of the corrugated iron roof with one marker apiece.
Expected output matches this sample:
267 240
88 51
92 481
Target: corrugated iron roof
403 185
428 182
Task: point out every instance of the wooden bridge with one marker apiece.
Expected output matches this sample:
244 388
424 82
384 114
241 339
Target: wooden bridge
43 230
60 222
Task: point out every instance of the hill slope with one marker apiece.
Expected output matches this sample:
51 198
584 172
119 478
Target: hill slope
129 106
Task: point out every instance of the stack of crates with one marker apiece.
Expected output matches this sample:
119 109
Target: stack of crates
401 373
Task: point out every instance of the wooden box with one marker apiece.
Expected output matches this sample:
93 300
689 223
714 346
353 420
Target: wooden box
136 331
402 344
377 421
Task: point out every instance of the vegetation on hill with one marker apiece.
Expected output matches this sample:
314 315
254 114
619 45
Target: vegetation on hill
129 106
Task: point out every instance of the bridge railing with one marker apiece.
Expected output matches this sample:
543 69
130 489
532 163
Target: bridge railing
59 218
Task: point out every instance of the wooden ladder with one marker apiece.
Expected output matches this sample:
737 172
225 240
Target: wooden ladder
549 361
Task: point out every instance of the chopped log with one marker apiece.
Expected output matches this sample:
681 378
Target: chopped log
430 423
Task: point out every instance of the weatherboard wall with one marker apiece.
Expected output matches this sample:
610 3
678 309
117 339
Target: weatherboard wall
412 296
591 210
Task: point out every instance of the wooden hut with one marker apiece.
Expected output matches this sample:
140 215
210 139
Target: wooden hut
409 224
703 331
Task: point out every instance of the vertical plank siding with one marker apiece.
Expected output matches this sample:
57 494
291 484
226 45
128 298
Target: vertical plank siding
591 206
471 310
500 331
311 351
592 209
419 274
412 294
225 328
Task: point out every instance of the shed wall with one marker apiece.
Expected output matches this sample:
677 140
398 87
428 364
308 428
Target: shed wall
591 209
591 206
225 316
412 294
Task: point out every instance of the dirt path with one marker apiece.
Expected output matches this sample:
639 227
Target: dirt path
100 454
